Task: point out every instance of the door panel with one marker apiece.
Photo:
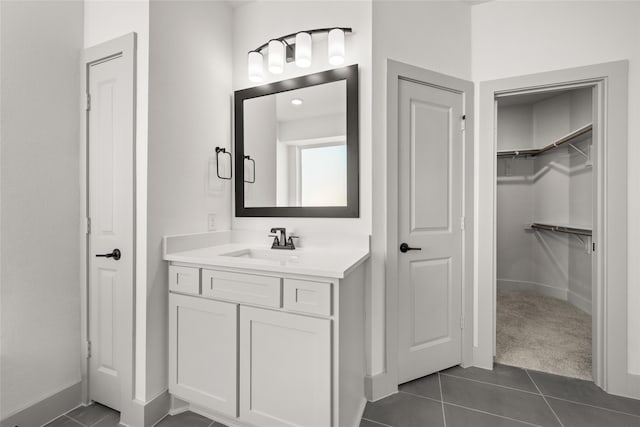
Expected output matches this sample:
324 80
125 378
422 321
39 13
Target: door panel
431 302
203 345
430 208
110 209
285 369
430 172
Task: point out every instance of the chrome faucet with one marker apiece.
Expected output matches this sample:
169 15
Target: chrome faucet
280 240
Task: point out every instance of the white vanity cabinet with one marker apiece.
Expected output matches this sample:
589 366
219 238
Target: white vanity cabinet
266 349
285 369
203 342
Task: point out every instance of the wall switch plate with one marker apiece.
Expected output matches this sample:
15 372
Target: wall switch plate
211 221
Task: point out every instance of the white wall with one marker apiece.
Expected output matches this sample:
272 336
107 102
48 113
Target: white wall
41 44
257 22
189 115
103 21
517 38
514 196
555 188
260 142
434 35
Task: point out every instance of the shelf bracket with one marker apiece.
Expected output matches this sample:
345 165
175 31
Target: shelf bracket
585 155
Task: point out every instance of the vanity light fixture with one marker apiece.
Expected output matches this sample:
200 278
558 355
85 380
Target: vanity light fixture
296 101
295 47
276 57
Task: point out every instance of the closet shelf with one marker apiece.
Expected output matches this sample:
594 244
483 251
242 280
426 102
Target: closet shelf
575 136
561 229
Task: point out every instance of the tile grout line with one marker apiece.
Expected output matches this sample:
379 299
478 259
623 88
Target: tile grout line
559 398
444 417
420 396
592 406
469 408
492 414
105 416
495 385
74 420
376 422
544 398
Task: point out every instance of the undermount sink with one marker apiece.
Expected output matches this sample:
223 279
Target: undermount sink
264 254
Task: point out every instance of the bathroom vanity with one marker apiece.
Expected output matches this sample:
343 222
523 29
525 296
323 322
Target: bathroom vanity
267 338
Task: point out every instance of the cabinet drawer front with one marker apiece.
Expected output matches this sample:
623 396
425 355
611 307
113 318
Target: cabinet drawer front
307 297
184 279
240 287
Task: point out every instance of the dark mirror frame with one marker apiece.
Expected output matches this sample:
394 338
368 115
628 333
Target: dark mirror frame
352 210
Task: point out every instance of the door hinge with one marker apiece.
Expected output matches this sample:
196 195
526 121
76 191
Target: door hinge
88 102
88 225
462 322
593 246
463 121
462 220
88 349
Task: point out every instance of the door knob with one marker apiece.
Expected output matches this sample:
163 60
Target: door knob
404 248
115 254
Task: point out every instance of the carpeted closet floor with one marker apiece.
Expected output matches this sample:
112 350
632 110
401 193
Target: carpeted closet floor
542 333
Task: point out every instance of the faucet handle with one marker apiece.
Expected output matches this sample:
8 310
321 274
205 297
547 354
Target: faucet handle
290 240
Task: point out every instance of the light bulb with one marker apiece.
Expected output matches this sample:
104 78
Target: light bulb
336 46
255 67
303 50
276 57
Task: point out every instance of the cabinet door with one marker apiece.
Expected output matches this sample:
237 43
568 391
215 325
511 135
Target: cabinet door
203 352
285 369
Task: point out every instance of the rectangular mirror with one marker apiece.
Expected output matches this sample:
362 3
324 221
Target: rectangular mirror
296 144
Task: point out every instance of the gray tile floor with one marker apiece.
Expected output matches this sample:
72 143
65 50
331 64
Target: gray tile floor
456 397
504 397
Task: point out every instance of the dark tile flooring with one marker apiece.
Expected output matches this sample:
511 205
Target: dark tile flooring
456 397
504 397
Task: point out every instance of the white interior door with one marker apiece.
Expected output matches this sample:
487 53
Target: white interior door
430 156
110 211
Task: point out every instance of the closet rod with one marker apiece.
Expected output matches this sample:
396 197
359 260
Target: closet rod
562 229
572 137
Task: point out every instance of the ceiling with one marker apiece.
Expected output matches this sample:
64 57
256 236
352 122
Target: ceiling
320 100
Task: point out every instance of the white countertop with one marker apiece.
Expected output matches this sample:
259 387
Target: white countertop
217 251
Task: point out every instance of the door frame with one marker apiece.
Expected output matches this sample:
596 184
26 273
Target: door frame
125 47
395 72
610 223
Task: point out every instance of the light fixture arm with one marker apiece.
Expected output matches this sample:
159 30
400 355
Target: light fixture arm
293 35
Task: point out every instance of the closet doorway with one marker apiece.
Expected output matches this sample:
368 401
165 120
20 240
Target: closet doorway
546 169
609 148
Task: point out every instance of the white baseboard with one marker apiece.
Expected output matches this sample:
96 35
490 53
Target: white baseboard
579 302
520 285
363 405
633 389
147 414
47 409
157 408
379 386
547 290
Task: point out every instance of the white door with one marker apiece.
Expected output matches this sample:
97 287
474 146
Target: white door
430 156
110 210
203 351
285 369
